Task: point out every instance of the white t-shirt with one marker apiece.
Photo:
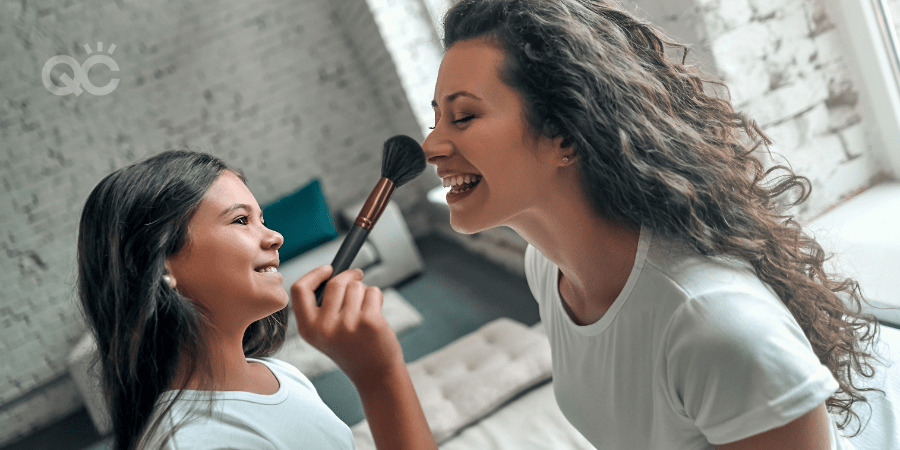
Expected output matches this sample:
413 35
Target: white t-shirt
292 418
694 352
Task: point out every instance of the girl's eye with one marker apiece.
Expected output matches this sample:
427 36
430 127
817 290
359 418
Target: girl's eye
243 220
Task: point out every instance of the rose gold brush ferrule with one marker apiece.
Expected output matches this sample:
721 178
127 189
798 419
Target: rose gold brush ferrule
375 204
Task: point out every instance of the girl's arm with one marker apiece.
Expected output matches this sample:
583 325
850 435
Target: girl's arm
350 328
808 432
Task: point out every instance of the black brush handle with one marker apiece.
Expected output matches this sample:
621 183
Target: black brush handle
345 256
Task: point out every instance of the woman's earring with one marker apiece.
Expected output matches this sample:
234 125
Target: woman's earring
565 159
168 280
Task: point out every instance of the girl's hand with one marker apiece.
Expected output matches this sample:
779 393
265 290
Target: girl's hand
349 326
351 330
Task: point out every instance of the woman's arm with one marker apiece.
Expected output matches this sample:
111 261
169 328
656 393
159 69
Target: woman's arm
350 328
808 432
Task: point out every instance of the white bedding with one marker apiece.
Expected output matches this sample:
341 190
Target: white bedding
883 429
534 421
531 422
505 358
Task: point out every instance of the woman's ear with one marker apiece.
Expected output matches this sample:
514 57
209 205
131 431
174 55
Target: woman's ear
168 278
564 151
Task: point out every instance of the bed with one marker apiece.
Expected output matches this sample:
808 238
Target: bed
491 390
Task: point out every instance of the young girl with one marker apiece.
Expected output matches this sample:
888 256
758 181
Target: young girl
178 279
684 309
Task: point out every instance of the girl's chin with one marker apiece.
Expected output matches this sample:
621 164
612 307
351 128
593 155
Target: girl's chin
274 303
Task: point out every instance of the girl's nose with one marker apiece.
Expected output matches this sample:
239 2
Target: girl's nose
273 240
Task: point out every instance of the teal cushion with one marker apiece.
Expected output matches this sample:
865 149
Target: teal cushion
302 218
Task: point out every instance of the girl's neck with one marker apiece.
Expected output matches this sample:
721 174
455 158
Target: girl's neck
228 367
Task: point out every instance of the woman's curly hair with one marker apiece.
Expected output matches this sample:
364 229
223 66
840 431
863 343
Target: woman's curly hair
655 149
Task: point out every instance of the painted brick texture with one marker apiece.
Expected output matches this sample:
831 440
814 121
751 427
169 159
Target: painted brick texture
787 69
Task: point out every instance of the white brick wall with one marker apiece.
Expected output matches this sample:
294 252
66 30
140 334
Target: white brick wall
786 66
397 47
274 87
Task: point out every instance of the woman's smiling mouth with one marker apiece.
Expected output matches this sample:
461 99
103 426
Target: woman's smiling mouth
461 183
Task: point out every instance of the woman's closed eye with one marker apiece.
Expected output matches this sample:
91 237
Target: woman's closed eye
464 119
458 121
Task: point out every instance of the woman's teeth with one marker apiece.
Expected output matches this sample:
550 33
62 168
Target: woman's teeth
268 269
461 183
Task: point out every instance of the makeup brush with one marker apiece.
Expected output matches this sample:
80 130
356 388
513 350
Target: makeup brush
403 160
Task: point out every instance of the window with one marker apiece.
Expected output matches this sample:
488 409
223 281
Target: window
889 12
870 27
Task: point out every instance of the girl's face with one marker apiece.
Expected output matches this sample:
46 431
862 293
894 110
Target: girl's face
482 145
228 263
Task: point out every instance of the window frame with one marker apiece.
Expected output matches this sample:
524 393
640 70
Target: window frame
870 40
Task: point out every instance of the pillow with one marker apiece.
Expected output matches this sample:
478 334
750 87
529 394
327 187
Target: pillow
302 218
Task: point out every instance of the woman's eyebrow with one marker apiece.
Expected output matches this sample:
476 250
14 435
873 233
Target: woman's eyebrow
450 98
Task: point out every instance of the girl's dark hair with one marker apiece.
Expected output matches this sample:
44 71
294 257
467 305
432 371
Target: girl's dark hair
132 221
655 149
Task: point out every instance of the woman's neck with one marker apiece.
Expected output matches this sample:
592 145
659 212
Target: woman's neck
594 254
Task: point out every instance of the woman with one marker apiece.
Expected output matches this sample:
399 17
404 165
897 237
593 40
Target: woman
177 276
684 309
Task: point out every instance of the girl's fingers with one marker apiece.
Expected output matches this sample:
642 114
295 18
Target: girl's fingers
335 289
353 299
372 301
302 291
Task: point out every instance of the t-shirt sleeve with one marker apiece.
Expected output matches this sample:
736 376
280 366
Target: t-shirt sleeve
531 268
738 364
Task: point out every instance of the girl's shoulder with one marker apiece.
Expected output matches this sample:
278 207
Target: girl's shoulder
284 371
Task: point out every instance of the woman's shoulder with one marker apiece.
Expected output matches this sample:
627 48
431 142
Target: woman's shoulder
537 266
720 297
703 276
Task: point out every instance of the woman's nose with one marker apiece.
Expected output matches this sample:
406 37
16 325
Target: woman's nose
436 146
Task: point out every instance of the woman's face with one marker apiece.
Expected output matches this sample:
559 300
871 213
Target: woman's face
228 263
482 144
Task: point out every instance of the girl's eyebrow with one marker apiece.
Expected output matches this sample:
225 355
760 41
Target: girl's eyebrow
450 98
236 207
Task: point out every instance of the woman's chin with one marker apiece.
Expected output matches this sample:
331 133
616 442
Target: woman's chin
464 227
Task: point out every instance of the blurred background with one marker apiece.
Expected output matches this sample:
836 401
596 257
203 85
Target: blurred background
292 91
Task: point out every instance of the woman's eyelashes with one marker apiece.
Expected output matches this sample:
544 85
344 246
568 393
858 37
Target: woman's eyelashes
463 120
458 121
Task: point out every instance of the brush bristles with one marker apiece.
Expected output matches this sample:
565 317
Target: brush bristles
403 160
